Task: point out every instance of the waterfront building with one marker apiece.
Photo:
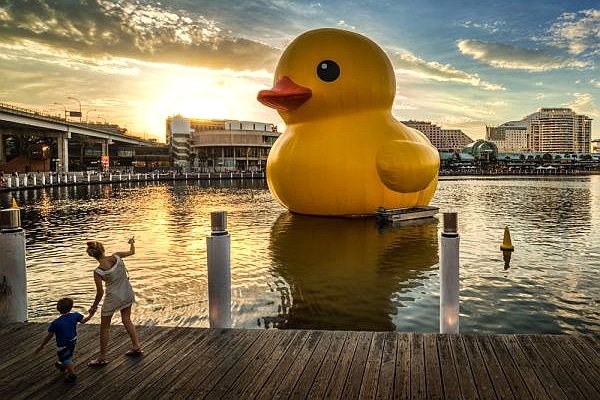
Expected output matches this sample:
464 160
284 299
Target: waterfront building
219 145
443 139
596 146
559 130
509 137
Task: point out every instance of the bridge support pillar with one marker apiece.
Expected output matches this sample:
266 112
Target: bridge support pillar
63 152
2 150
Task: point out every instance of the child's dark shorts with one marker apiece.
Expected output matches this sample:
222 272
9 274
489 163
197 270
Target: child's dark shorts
65 353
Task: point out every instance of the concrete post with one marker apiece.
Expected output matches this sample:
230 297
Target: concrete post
63 152
34 183
2 150
25 180
13 275
9 182
88 177
51 179
219 272
449 275
65 178
43 180
74 178
17 181
110 177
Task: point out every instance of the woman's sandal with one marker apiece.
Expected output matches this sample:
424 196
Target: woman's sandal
97 362
134 352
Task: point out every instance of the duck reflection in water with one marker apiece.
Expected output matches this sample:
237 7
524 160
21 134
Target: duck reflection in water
346 274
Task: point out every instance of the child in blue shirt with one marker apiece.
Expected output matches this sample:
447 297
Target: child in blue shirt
65 328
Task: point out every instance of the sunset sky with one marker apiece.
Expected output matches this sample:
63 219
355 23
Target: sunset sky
460 64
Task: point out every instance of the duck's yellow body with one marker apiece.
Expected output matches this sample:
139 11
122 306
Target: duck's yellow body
342 152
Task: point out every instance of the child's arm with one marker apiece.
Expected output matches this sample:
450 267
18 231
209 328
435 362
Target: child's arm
44 342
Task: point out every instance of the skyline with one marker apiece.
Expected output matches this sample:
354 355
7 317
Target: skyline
462 65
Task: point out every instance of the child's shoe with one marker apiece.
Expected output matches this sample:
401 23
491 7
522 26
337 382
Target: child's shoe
71 378
60 366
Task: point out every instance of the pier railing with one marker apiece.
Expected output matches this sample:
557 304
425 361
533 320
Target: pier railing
41 180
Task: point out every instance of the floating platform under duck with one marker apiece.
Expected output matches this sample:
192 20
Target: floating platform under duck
405 214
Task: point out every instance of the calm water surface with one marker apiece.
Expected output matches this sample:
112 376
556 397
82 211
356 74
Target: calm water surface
291 271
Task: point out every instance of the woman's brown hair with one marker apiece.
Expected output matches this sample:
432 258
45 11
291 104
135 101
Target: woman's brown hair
95 249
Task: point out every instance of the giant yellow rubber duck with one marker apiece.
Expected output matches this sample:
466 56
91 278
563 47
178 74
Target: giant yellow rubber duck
343 153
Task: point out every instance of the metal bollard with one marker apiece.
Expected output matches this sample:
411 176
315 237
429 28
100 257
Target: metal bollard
219 272
13 274
449 275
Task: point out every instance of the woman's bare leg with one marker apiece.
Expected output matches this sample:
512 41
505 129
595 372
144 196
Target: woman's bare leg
104 335
126 318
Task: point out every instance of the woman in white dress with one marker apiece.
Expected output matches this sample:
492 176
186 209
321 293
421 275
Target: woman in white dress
119 296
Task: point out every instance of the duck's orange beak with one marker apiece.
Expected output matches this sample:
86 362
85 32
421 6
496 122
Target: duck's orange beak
285 95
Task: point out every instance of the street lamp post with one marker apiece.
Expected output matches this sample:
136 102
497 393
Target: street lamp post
87 114
65 107
73 98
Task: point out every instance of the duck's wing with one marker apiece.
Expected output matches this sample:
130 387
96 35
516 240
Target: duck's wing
405 166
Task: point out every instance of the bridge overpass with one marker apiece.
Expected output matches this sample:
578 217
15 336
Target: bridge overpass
18 121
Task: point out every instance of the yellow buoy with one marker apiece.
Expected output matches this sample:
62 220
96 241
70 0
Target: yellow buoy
14 203
507 243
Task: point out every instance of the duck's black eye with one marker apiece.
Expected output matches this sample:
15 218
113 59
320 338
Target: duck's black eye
328 70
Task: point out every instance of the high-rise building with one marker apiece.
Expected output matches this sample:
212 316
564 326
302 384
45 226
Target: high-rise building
559 130
443 139
508 137
219 145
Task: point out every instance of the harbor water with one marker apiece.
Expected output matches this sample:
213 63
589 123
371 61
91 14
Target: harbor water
292 271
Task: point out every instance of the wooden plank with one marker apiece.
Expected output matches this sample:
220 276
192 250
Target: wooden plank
269 367
275 371
92 377
148 365
450 381
565 383
515 381
19 341
357 368
403 366
297 365
501 386
583 365
321 381
385 385
433 377
234 373
466 381
261 367
304 384
480 374
338 379
418 389
227 362
206 358
551 385
588 352
570 367
370 379
132 368
161 387
526 371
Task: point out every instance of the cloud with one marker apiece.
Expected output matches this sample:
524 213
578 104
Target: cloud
99 29
406 63
584 104
501 55
595 82
577 32
491 27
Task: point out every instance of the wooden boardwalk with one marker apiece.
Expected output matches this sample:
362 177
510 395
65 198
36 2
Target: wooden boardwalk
267 364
